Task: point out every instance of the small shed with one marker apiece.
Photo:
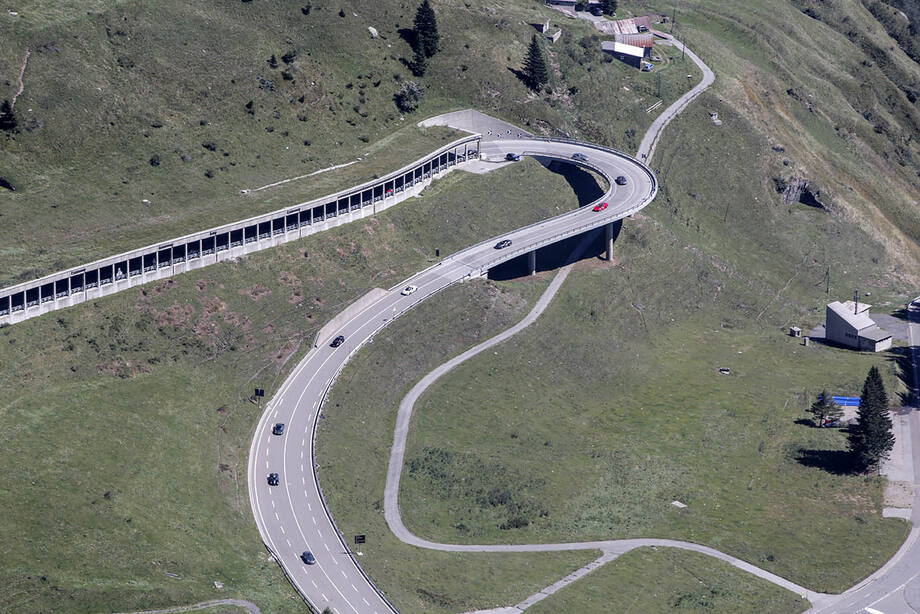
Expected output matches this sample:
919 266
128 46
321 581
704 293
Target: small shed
795 331
554 36
628 54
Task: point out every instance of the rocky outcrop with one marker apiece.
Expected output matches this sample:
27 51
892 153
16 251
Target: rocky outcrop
799 190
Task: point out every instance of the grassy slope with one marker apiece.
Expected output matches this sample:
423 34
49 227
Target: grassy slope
832 93
836 145
363 405
126 425
111 88
730 252
718 267
648 581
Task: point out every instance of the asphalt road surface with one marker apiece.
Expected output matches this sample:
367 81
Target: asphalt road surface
291 516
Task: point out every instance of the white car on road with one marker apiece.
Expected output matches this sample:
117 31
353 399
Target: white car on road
408 290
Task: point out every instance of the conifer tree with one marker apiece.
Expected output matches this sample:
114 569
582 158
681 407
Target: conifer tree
871 438
535 69
426 31
824 409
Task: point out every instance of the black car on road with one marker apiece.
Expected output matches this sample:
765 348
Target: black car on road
580 157
278 429
308 558
513 157
337 341
620 180
503 244
272 479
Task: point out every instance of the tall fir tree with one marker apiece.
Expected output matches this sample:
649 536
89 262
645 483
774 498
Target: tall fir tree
8 122
427 39
535 65
871 438
419 64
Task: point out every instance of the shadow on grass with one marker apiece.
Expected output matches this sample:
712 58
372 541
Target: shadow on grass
836 462
583 183
902 357
561 253
408 35
557 255
806 422
521 75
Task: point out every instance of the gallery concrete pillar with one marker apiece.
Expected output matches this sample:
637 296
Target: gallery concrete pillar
532 262
608 240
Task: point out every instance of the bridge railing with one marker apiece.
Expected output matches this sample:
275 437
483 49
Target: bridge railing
649 197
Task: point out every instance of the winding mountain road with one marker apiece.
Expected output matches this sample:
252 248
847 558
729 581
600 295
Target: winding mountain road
292 516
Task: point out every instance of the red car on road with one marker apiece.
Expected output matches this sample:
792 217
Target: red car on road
600 206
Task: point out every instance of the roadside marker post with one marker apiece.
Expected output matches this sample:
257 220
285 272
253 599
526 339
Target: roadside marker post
258 394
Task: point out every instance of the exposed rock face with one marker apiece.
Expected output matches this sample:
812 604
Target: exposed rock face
798 190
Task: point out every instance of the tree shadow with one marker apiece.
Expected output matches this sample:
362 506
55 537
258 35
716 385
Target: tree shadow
521 75
836 462
903 361
408 35
901 314
806 422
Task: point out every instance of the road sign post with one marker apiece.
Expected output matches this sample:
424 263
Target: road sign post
258 394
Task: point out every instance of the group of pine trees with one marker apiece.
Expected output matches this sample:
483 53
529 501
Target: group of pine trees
426 44
870 438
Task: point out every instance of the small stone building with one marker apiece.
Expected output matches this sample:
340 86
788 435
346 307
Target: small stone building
849 324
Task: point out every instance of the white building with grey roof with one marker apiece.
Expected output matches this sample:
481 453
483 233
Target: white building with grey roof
849 324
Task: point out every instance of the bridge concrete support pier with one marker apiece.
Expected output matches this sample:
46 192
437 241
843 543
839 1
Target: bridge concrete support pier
532 262
608 241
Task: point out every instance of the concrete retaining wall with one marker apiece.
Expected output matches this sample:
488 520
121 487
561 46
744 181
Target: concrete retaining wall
473 121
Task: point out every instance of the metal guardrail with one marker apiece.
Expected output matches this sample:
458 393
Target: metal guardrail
509 255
